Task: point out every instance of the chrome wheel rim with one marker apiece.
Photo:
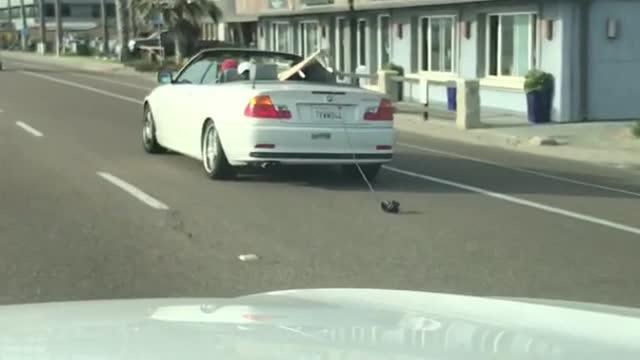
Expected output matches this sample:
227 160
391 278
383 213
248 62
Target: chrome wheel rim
147 130
210 149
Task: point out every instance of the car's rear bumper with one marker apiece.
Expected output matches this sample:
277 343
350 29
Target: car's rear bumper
308 145
317 158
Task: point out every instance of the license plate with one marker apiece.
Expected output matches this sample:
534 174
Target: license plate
324 113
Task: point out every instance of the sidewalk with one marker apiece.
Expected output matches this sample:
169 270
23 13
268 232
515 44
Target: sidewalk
77 62
604 143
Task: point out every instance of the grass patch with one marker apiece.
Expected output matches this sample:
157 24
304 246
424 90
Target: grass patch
144 65
635 130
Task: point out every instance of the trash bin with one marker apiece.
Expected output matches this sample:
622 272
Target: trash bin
538 87
451 96
539 106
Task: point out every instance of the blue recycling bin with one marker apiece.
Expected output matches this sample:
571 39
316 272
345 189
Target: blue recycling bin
539 105
452 93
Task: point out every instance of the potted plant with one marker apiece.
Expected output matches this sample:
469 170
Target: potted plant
538 85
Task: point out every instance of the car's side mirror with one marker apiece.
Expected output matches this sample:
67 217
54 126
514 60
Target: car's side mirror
165 77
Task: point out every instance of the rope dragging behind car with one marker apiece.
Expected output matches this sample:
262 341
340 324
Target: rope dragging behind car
388 206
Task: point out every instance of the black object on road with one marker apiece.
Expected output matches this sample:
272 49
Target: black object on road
390 207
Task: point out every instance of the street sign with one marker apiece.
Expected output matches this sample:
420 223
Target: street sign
157 20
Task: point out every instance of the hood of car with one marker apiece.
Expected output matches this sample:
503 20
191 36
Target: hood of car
321 324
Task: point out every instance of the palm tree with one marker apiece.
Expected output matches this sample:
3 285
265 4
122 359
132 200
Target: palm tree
105 27
23 30
182 17
122 25
43 26
133 19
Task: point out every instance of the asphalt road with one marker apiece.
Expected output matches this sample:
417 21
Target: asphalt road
475 220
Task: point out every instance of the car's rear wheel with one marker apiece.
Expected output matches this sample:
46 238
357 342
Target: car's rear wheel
370 171
214 159
149 140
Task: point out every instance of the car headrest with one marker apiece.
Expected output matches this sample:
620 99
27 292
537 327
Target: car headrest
266 72
230 75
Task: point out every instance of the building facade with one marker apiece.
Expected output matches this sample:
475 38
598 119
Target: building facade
77 15
589 46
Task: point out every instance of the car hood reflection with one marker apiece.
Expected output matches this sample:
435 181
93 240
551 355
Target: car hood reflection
320 324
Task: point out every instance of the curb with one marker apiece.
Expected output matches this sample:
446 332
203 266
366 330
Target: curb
444 129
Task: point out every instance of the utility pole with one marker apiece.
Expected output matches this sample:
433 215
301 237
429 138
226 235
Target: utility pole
24 30
10 12
353 41
105 27
122 23
58 10
133 16
43 26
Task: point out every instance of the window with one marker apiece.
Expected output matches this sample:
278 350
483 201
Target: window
437 44
280 37
341 41
309 40
49 10
195 72
95 11
362 43
65 10
511 47
211 77
384 36
111 10
31 11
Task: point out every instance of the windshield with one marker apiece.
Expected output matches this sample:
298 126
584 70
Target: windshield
310 70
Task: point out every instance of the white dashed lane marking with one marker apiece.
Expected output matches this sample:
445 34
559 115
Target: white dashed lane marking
134 191
29 129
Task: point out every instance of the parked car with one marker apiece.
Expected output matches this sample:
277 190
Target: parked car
165 38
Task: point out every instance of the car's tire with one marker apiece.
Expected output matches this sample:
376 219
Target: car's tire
149 140
370 171
214 160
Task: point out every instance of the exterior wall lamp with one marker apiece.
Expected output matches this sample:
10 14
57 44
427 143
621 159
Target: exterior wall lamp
547 28
612 28
465 29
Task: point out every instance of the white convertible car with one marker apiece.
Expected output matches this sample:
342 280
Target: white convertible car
284 110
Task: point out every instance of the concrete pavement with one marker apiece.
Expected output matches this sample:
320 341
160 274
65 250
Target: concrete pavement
604 143
476 220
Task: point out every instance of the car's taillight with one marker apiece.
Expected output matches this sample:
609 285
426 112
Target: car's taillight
262 107
384 112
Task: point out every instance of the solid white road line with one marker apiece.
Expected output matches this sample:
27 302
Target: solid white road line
518 169
29 129
122 83
84 87
519 201
134 191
